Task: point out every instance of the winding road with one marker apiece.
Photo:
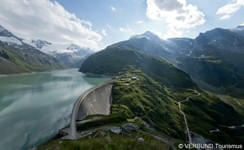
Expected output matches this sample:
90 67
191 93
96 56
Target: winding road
93 96
184 116
186 124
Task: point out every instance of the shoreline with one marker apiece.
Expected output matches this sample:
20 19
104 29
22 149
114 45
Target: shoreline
32 73
18 74
96 75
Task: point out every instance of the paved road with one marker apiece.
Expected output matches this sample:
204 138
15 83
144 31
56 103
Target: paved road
184 116
186 124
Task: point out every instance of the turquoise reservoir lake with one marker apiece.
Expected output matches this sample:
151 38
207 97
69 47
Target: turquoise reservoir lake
33 107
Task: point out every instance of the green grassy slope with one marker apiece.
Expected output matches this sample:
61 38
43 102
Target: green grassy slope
25 59
149 100
146 92
108 141
160 86
153 107
156 104
113 60
218 68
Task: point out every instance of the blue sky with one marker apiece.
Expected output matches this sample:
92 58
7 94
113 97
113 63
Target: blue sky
97 23
131 16
100 13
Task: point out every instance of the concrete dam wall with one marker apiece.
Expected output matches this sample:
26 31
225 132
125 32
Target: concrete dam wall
95 101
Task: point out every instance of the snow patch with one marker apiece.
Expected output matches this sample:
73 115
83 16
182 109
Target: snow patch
55 48
10 40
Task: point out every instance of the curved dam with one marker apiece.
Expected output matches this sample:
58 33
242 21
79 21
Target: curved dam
95 101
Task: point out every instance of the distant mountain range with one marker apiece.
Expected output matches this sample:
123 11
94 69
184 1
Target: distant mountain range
16 56
20 55
213 59
70 55
115 59
157 79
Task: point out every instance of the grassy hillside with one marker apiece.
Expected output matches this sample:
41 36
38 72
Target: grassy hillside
108 141
24 59
216 59
113 60
149 100
221 69
160 86
157 105
153 108
148 92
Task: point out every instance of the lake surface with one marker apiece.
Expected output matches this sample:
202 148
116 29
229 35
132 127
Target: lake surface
33 107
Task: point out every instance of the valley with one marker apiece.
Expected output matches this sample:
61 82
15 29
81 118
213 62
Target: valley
158 112
164 92
121 75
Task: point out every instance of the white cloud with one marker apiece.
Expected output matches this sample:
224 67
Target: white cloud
177 14
104 32
224 17
48 20
229 9
172 32
242 24
126 30
113 9
139 22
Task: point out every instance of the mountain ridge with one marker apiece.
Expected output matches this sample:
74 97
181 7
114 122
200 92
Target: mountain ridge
140 85
213 59
115 59
16 56
70 55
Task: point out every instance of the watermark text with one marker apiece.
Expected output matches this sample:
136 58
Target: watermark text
210 146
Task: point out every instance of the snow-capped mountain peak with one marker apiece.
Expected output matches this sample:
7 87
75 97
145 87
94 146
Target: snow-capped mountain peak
73 47
8 37
69 54
40 43
55 48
